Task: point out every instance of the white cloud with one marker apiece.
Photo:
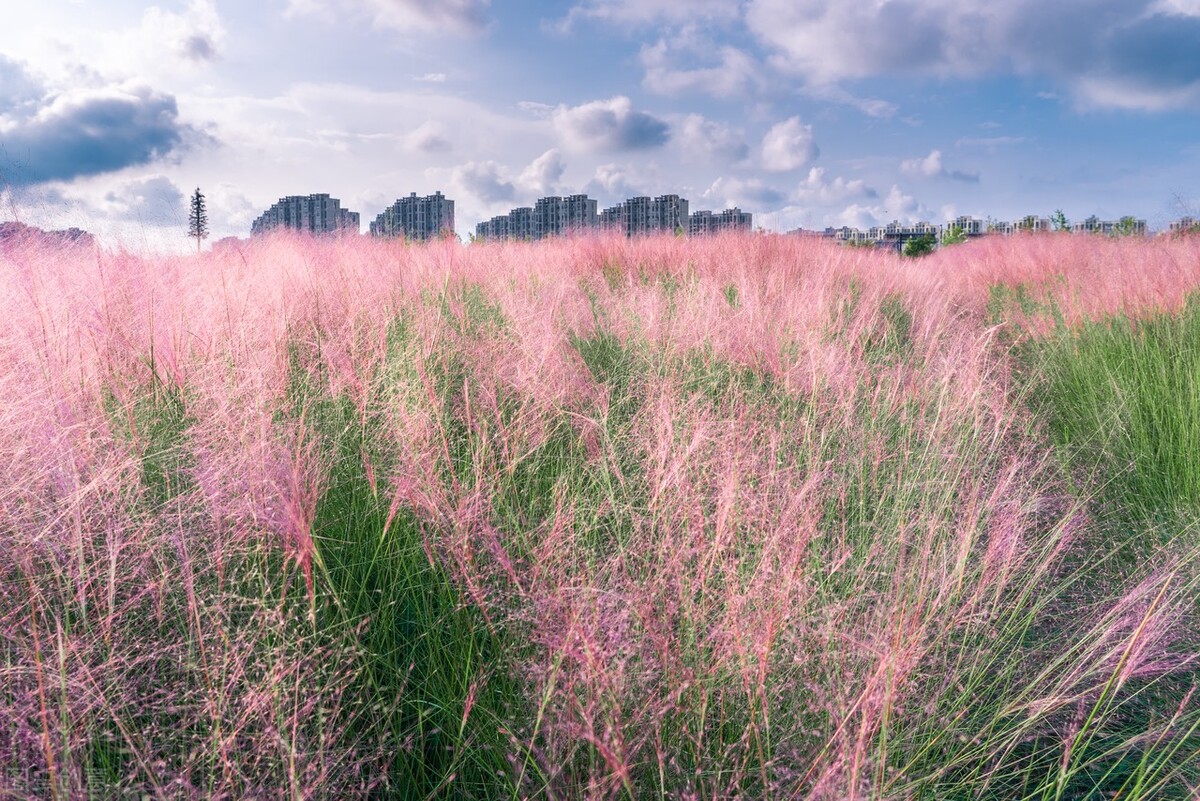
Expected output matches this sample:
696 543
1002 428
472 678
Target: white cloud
789 145
542 111
896 206
431 77
615 181
816 201
1186 8
149 201
735 74
490 184
1122 94
542 176
932 167
161 47
830 42
649 12
752 194
608 125
430 137
929 166
711 141
990 142
871 106
815 189
453 16
1110 53
485 181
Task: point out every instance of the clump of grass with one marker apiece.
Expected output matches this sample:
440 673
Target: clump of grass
1121 397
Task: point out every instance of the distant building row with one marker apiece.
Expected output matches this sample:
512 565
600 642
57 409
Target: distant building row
895 234
555 216
430 217
314 214
1185 225
412 217
19 233
550 216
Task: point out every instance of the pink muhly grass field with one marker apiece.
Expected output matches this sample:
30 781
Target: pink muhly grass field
749 516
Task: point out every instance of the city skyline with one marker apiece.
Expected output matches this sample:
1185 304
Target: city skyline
807 115
421 219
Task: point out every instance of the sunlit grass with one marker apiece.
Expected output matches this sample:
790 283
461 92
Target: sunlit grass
748 517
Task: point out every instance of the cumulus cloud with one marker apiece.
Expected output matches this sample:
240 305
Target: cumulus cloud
896 206
932 167
492 183
649 12
162 49
91 132
18 88
817 200
199 47
149 201
789 145
816 189
608 125
751 193
542 176
454 16
735 73
1131 53
428 138
711 141
188 38
614 181
483 180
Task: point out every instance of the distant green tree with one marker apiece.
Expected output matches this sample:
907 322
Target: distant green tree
198 219
1060 221
920 246
954 235
1127 226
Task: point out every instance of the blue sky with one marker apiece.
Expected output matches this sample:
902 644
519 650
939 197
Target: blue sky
806 113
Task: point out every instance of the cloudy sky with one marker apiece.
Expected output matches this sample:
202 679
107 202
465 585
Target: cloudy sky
806 112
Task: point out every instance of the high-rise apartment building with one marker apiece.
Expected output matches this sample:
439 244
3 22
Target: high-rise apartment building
1126 226
968 225
580 213
495 228
315 214
639 211
669 213
701 223
416 218
550 216
614 218
556 216
643 215
520 224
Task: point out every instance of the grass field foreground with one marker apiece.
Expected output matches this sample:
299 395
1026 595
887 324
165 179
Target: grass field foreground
742 517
